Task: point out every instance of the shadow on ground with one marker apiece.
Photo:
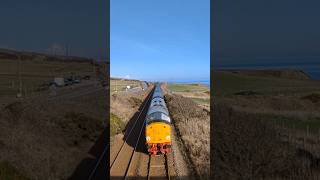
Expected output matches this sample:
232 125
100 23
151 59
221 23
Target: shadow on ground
86 166
137 122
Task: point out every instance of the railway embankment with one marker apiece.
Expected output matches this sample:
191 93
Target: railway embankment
122 107
192 126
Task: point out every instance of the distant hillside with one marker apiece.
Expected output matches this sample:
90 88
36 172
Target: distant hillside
286 73
13 55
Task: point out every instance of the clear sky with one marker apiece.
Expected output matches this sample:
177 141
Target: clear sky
167 40
266 32
40 25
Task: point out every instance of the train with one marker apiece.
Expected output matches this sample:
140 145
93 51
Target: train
158 124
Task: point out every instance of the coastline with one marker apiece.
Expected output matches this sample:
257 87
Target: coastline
313 73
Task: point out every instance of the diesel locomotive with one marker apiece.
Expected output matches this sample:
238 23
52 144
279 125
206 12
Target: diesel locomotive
158 124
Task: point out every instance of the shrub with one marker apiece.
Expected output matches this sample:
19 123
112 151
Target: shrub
116 125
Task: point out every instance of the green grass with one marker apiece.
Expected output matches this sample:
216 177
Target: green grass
8 172
201 100
227 83
188 87
116 125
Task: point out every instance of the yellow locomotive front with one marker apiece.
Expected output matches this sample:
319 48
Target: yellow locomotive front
158 125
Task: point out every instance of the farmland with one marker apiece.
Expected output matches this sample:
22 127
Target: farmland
199 93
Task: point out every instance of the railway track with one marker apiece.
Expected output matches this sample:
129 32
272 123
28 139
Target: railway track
158 166
99 166
121 165
100 163
131 160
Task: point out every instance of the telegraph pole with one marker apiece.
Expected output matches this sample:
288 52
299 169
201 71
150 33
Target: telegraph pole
67 50
20 81
19 94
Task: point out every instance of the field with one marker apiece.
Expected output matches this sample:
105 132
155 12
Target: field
279 112
121 84
189 106
199 93
187 87
35 73
228 83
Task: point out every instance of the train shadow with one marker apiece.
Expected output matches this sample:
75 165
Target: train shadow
134 125
85 167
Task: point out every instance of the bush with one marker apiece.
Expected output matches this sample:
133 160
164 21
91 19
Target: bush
246 147
116 125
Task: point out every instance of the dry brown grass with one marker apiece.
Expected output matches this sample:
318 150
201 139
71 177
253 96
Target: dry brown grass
125 104
49 140
192 124
247 147
266 126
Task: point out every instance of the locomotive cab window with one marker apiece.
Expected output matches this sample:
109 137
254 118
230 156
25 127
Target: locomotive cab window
158 117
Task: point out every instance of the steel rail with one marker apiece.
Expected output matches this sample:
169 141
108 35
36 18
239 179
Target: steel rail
143 108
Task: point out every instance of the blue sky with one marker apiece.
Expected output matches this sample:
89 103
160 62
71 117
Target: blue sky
265 32
40 25
160 40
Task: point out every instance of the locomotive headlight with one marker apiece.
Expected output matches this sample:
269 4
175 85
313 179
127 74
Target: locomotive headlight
148 138
167 137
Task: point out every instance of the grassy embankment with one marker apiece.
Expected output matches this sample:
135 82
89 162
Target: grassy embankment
116 124
192 127
183 105
123 105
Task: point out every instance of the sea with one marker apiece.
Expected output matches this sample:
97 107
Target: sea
310 67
